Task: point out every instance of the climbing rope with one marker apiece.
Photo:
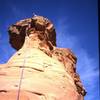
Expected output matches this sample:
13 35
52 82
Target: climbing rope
22 70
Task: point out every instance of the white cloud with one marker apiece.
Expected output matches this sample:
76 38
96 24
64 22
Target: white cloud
87 66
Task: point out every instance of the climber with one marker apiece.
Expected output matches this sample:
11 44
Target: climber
34 15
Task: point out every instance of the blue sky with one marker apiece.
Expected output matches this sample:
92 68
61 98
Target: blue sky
76 23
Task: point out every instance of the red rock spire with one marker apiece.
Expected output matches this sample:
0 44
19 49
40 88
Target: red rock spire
49 72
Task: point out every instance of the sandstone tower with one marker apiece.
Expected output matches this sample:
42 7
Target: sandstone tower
39 70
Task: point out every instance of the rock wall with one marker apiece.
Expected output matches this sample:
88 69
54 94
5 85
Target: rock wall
39 70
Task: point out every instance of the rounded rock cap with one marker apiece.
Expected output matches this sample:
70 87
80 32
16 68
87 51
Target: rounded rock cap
39 24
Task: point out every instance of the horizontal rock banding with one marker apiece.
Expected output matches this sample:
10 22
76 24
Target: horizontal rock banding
49 73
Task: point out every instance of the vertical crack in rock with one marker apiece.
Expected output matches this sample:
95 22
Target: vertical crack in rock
35 41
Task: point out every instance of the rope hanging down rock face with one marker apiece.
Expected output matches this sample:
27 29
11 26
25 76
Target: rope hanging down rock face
22 71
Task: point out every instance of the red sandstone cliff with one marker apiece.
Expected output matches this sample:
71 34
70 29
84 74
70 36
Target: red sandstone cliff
39 70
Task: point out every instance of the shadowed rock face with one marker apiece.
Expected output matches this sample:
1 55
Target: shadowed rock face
49 73
36 25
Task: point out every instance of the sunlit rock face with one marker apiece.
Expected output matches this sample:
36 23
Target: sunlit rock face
39 70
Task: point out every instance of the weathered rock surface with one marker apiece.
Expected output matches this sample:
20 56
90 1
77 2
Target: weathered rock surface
39 70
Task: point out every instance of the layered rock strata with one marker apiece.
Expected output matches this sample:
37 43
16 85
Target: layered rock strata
39 70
